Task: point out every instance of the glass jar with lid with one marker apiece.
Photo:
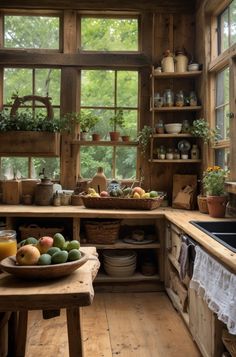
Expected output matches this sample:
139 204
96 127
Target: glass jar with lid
168 98
159 127
179 99
192 99
185 126
194 152
169 154
162 152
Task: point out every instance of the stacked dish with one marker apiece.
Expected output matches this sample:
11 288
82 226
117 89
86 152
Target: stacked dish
120 263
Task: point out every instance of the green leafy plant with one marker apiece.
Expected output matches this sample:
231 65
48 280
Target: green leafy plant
86 119
200 128
144 138
213 180
117 120
26 121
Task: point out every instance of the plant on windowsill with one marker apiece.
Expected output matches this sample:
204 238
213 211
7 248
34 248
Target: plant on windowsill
144 138
200 128
116 121
214 185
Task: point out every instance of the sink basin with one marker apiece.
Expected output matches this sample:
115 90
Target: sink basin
222 231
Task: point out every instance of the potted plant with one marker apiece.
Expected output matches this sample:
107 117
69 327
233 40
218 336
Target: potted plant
144 138
24 133
214 185
85 119
116 121
200 128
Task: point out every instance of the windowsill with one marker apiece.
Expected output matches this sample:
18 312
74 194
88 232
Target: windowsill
231 186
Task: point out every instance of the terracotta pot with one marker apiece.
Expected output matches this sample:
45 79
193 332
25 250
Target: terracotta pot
202 204
95 137
216 206
114 135
125 138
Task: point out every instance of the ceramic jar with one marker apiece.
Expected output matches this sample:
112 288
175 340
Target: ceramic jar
167 63
181 61
44 192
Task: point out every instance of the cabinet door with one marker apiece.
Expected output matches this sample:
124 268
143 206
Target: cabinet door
205 328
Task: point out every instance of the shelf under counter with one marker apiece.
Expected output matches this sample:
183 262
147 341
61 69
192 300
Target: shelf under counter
122 245
136 277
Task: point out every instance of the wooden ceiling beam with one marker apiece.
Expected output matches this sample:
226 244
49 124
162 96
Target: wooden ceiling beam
142 5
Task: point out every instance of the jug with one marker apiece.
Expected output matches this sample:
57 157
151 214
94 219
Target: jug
44 192
167 62
181 61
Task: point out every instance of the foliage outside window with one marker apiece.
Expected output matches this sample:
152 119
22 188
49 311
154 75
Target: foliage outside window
105 92
227 27
109 34
35 32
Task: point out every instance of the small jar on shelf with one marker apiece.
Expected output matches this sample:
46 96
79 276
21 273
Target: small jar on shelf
192 99
169 154
185 126
179 99
168 98
194 152
162 152
176 154
159 127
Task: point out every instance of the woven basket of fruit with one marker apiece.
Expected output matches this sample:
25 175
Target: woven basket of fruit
122 203
102 232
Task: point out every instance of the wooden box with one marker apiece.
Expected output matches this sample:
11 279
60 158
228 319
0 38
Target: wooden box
33 143
11 190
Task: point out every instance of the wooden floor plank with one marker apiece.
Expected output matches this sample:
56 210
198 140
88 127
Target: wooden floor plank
116 324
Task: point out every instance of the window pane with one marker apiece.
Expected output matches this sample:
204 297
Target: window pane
51 165
127 89
126 158
222 103
14 165
222 158
105 34
17 81
48 82
31 32
224 31
93 157
97 88
232 10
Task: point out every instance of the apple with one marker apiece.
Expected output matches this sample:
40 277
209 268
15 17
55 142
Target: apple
104 194
44 243
27 255
139 190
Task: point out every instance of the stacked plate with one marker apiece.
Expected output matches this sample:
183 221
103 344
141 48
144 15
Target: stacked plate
119 263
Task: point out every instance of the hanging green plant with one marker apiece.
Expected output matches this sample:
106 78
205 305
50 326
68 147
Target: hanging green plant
144 138
200 128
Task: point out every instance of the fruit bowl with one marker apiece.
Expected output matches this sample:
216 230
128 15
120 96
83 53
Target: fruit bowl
41 272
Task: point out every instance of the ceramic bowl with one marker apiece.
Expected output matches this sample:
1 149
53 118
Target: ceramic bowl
173 128
193 67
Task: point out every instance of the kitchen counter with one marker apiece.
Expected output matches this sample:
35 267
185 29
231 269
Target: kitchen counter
178 217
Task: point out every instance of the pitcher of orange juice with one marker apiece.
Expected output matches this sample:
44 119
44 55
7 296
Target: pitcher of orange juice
8 243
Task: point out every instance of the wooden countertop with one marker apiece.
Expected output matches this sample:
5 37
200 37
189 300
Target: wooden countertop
179 217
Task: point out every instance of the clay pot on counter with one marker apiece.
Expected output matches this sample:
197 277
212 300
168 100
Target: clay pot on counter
44 192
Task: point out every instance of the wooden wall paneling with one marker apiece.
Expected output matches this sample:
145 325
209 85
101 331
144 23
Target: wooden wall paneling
69 32
69 77
161 34
184 33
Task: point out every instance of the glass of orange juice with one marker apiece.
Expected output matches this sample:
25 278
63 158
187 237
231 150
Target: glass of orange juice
8 243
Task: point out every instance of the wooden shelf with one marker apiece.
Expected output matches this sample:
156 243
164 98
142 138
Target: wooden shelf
122 245
180 161
175 300
180 135
163 75
137 277
104 143
176 109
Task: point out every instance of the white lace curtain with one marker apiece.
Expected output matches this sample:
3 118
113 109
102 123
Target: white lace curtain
217 286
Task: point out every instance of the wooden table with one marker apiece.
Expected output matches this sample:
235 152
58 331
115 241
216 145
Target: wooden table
71 292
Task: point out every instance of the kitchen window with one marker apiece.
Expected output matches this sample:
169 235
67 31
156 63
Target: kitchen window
227 27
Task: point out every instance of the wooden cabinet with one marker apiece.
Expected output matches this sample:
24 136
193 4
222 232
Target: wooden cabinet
171 114
203 324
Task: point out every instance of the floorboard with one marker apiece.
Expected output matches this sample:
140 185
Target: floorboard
116 324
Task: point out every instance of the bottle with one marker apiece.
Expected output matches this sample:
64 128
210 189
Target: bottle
181 61
185 126
167 63
99 181
160 127
194 152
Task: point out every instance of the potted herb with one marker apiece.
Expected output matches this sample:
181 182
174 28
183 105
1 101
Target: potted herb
116 121
85 119
144 138
200 128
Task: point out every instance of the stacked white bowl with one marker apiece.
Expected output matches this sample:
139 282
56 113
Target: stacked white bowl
119 263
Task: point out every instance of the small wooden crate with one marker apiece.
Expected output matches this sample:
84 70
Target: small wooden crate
102 232
33 230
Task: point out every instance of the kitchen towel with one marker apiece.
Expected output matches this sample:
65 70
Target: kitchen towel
217 286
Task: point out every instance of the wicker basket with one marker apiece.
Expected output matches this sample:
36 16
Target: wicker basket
33 230
102 232
123 203
229 342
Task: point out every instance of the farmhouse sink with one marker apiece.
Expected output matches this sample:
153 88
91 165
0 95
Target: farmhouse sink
222 231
